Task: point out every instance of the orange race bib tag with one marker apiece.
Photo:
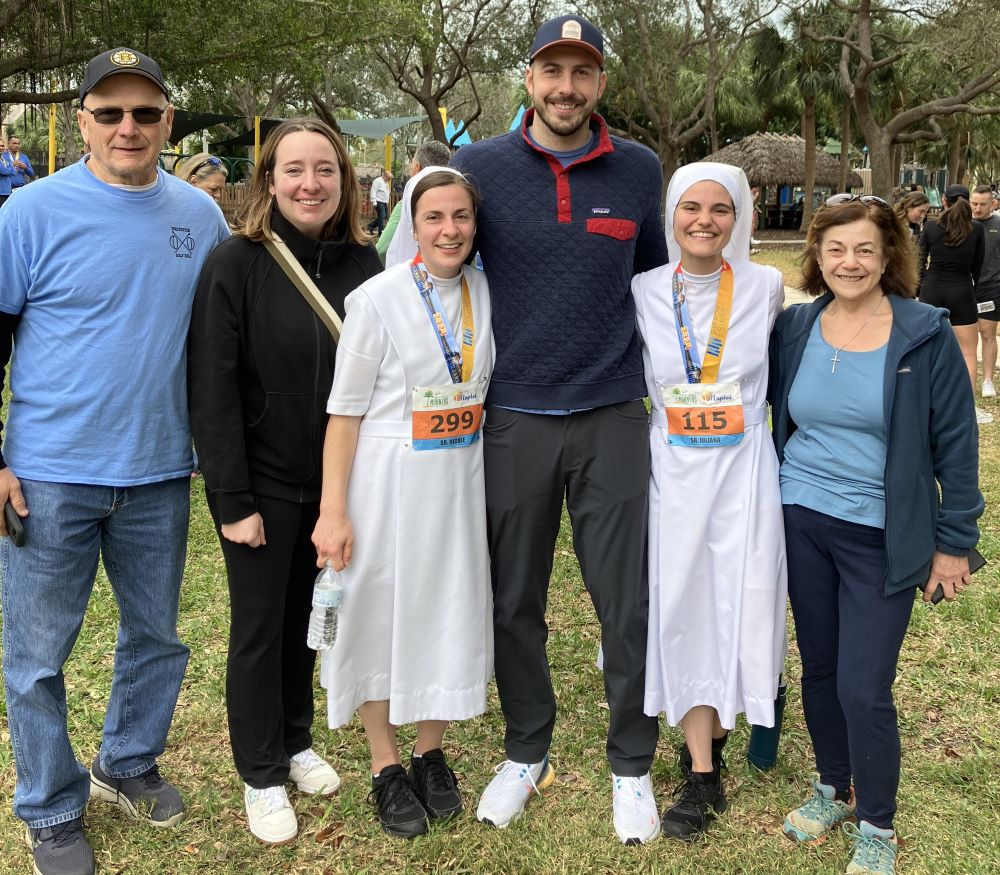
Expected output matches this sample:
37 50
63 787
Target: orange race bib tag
703 414
446 417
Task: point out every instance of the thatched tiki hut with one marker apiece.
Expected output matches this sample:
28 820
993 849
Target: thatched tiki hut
774 160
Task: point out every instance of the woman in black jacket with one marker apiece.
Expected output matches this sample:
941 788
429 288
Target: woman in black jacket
260 368
954 245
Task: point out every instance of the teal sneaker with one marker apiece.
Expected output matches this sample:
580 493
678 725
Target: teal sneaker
811 823
874 849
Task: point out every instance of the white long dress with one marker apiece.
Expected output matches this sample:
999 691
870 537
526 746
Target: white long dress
416 624
717 578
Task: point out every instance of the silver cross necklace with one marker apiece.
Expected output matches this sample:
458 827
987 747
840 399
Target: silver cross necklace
837 350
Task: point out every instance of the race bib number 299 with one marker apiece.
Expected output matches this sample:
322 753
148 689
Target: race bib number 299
446 417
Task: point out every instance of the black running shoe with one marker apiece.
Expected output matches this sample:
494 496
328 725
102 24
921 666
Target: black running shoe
701 798
399 810
61 849
146 797
435 784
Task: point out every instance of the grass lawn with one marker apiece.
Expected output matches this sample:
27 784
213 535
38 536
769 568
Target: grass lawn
786 258
948 692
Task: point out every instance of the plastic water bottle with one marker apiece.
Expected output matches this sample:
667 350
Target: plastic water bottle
328 594
762 751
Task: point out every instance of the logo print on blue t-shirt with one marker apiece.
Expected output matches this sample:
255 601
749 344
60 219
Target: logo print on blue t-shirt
181 242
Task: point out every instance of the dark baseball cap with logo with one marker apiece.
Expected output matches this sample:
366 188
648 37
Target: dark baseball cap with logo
569 30
954 192
121 61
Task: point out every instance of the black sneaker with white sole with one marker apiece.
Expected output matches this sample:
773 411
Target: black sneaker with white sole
399 810
146 797
435 784
61 849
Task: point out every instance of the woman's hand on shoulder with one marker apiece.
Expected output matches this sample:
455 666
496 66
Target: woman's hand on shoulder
333 538
951 572
249 531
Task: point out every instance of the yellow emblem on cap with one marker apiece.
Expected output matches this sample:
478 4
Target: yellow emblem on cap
572 30
124 58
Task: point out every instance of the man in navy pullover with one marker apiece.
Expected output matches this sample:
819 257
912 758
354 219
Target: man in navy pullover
569 214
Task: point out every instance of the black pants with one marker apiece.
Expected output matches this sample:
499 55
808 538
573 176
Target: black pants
849 635
269 674
597 460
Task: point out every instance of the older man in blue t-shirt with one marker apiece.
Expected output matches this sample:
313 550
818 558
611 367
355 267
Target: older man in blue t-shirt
99 265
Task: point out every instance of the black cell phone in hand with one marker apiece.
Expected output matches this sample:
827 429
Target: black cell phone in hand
15 528
976 561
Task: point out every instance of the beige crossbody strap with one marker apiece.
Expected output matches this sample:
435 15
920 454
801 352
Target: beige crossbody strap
302 281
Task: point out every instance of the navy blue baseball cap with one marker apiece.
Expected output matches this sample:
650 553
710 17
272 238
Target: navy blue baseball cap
569 30
115 61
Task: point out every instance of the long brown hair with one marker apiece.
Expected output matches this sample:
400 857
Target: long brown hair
900 277
254 220
956 222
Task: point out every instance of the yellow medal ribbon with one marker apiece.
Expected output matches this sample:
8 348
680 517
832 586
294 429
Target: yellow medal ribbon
708 370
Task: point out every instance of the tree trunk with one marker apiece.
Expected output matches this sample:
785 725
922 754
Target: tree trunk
963 159
669 157
845 144
897 160
954 157
880 155
809 135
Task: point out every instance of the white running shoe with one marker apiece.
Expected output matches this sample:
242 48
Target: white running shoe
636 819
982 417
312 774
270 814
989 390
507 794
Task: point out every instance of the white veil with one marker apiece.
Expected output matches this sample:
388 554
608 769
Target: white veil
403 247
734 180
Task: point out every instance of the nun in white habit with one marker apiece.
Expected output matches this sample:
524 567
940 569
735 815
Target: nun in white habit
717 579
403 246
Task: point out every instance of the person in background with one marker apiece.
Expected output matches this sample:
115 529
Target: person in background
204 171
96 296
403 513
379 194
23 171
988 287
879 501
7 172
950 261
912 208
260 367
433 153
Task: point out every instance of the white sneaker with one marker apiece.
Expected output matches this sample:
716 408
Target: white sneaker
270 814
636 819
507 794
982 417
312 774
989 390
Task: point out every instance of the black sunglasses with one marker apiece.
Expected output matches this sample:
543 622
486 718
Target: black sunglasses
113 115
846 197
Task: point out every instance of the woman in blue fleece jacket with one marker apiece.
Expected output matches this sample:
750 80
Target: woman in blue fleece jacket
875 429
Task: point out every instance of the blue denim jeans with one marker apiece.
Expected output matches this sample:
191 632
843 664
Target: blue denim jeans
140 533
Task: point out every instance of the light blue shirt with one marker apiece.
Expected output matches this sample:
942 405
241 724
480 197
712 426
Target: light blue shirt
103 278
835 461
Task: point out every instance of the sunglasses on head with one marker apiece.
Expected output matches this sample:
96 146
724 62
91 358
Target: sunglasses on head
212 161
113 115
846 198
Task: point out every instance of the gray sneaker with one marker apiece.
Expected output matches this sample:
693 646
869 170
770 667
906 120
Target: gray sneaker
146 796
61 849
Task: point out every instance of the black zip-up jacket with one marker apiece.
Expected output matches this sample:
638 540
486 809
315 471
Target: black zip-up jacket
260 367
